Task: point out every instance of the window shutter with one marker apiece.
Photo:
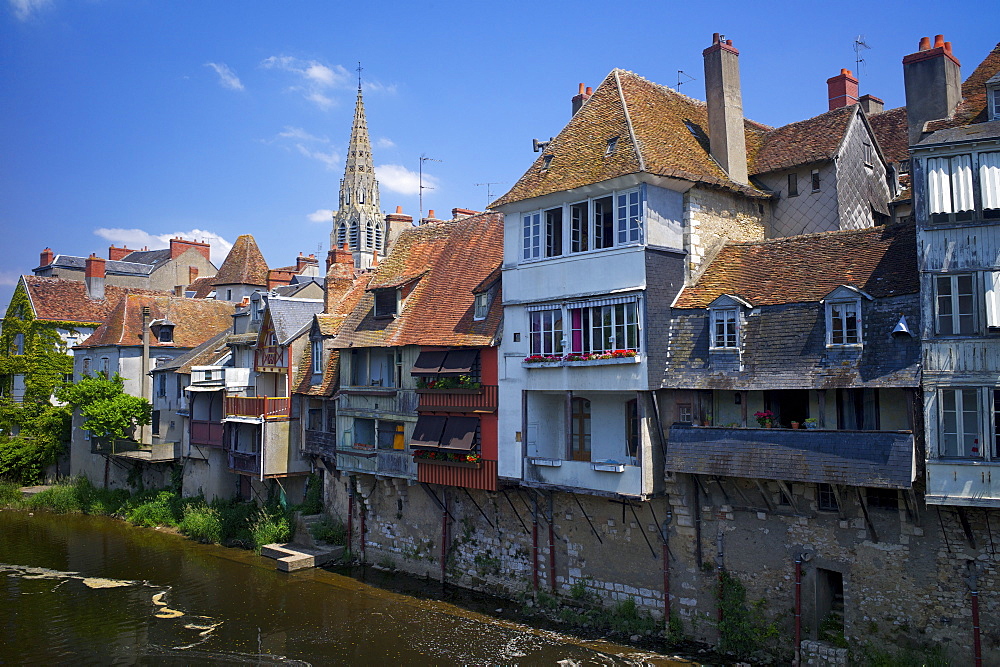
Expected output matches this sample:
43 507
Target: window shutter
993 299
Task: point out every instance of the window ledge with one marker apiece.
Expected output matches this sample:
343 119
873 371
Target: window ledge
545 462
608 466
369 391
588 362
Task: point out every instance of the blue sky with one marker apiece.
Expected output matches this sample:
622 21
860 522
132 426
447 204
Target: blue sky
135 120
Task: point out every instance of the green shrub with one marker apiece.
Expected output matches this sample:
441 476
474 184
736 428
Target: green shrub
158 511
62 498
235 518
329 530
10 495
270 526
313 501
201 523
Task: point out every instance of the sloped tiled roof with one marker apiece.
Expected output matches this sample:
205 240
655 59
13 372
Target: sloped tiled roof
290 316
202 287
881 261
670 132
331 374
450 259
209 353
148 256
115 267
891 132
60 300
972 108
244 264
195 320
802 142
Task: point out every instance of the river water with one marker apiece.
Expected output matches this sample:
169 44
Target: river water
91 590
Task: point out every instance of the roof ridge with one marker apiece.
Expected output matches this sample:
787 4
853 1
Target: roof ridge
628 123
828 233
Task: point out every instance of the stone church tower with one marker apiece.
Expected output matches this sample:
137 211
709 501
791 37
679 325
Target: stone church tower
359 221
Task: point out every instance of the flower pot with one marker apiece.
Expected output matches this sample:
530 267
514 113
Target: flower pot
795 424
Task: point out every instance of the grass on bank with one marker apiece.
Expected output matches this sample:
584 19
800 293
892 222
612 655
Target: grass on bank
227 522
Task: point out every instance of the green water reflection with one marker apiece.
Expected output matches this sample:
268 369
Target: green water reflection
91 590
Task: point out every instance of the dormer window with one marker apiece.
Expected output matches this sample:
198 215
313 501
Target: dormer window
482 305
843 317
317 357
612 145
993 97
163 330
725 316
386 302
256 307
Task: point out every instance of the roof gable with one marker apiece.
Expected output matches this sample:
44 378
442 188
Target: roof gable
60 300
805 141
196 320
244 265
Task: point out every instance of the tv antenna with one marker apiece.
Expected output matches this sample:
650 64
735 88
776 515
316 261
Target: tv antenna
687 78
489 190
424 158
859 46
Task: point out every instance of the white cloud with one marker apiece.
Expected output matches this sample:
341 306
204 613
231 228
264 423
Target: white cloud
401 180
301 135
314 78
9 278
375 86
227 77
321 215
330 159
137 238
23 9
309 145
383 142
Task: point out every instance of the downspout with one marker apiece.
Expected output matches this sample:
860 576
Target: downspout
263 439
534 544
973 581
145 388
552 546
350 511
798 610
444 535
718 566
362 510
666 576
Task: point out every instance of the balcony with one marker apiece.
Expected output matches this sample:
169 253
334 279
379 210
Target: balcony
483 399
244 462
366 401
879 459
605 477
966 483
387 462
130 449
321 443
483 477
270 407
206 433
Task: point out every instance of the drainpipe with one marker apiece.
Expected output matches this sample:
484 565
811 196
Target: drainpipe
973 581
666 574
552 546
798 610
263 438
350 511
534 544
145 388
718 566
362 509
444 535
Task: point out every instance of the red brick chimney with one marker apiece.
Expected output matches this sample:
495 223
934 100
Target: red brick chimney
94 277
339 276
46 257
842 90
179 246
117 254
932 79
430 217
301 262
581 97
457 213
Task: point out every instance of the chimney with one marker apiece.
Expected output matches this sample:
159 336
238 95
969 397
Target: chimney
842 90
302 262
581 97
932 78
94 277
117 254
339 276
725 108
430 218
457 213
46 257
871 104
179 246
192 274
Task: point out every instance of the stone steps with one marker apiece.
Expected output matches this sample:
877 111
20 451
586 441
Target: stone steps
291 557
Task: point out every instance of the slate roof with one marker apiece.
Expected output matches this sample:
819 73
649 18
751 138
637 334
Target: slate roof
244 264
670 131
195 320
148 256
209 353
972 108
58 299
892 134
450 259
854 458
881 261
291 316
116 267
811 140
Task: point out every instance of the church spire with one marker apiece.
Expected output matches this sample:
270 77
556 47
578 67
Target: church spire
359 221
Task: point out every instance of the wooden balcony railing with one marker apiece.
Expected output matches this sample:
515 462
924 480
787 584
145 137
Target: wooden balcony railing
483 399
206 433
356 401
255 406
244 462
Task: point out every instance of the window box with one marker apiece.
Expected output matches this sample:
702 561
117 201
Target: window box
608 466
603 362
450 390
475 465
545 463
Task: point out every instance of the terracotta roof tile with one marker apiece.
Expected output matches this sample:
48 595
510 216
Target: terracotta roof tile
972 109
195 320
881 261
244 265
891 132
452 258
209 353
62 300
802 142
202 287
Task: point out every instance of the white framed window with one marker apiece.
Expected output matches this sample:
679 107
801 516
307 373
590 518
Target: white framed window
482 308
724 328
629 218
844 322
373 367
869 154
594 224
612 146
955 304
959 426
579 216
553 232
317 357
603 327
949 188
545 331
532 235
994 106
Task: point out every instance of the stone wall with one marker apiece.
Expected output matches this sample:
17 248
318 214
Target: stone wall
713 217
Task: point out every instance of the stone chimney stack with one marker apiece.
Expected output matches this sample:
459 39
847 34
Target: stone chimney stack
725 108
117 254
94 277
46 257
871 104
842 90
339 276
932 78
581 97
179 246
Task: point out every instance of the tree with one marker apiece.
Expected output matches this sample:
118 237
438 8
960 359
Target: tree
109 413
